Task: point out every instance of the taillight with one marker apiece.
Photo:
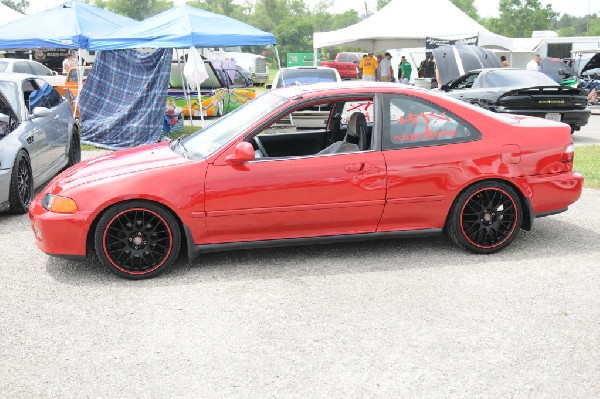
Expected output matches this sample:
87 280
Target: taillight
568 153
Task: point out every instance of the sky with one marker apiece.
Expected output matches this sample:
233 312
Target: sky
486 8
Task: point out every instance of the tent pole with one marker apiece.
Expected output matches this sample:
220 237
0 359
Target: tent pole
186 93
199 98
79 82
277 55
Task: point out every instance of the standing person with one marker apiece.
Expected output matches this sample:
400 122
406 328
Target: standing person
69 62
429 67
385 68
378 71
534 64
503 61
404 70
369 67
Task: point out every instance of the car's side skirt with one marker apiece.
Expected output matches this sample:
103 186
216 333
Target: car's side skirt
195 250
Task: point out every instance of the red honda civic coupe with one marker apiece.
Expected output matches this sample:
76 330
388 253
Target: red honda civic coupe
313 164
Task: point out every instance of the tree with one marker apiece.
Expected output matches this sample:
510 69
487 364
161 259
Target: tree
136 9
382 3
519 18
20 5
468 7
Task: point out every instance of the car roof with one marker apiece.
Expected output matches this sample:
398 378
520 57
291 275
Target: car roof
19 59
307 67
359 86
16 76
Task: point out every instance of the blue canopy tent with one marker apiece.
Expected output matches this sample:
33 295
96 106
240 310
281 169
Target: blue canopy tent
183 27
70 25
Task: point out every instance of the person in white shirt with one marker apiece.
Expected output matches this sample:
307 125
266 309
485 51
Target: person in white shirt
385 68
534 64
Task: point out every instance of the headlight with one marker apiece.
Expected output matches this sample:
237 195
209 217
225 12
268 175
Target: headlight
58 204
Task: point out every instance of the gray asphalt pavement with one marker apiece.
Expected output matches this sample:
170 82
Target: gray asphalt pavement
394 318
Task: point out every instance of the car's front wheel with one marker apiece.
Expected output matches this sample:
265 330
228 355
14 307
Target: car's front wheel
21 184
485 218
137 239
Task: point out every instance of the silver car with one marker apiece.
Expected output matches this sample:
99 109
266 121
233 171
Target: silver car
38 138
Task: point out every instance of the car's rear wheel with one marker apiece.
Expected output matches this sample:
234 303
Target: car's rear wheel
74 148
485 218
137 239
21 184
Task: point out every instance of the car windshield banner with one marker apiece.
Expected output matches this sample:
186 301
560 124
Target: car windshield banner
434 42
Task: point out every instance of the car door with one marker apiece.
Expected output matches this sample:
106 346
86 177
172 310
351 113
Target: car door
38 129
58 128
297 196
431 154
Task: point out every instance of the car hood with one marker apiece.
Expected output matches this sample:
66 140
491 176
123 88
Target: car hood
117 163
593 63
456 60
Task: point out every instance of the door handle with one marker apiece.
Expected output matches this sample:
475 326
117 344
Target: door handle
357 167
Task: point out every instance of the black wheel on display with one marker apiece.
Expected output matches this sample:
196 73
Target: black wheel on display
74 148
21 184
137 239
485 218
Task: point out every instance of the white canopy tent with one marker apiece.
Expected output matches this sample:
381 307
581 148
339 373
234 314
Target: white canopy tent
7 14
402 24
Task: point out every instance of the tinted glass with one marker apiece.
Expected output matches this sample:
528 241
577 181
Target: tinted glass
50 96
22 67
552 67
3 66
410 122
298 77
40 70
10 92
516 78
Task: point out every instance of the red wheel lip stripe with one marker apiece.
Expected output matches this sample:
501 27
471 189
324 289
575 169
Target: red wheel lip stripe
129 271
511 230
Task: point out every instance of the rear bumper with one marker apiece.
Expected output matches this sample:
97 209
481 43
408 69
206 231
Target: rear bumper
576 118
551 193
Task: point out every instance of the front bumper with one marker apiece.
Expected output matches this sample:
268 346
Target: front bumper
551 193
57 233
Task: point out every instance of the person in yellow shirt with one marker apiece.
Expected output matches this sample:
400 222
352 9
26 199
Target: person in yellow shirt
369 67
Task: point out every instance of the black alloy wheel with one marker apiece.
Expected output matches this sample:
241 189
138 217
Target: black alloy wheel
21 184
485 218
137 239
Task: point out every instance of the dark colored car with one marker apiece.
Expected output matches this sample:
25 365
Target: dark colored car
475 75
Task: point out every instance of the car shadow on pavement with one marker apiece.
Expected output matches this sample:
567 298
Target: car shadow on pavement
550 237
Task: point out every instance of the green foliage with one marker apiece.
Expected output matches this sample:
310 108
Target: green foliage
382 3
19 6
519 18
468 7
136 9
587 162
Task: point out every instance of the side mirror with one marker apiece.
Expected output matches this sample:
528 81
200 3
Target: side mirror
54 73
41 112
244 152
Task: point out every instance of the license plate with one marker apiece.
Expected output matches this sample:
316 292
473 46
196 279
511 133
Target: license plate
553 117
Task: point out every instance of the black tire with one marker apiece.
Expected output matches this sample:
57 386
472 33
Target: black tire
74 155
21 184
485 218
137 239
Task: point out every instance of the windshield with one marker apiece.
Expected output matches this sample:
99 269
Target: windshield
517 78
215 136
9 91
3 66
556 69
297 77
